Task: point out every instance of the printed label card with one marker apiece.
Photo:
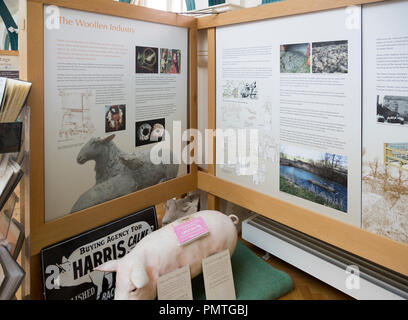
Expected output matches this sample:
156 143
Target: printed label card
218 278
190 230
175 285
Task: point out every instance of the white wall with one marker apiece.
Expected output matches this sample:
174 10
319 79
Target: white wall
252 3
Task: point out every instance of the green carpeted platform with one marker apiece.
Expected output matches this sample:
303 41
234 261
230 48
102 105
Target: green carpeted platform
254 279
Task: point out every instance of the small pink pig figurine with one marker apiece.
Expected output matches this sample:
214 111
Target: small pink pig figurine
159 253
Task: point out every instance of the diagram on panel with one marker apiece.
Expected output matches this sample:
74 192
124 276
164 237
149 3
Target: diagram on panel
240 89
76 120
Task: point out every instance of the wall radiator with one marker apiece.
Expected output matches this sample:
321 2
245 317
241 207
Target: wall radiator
325 262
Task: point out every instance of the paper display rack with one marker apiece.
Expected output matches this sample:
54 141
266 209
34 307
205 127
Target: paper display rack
18 205
24 259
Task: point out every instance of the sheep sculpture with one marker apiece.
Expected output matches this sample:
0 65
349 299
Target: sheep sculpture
118 173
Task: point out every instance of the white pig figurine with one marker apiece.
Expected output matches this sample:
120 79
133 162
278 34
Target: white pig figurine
159 253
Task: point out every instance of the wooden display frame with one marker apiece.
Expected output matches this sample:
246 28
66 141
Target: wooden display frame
381 250
31 63
378 249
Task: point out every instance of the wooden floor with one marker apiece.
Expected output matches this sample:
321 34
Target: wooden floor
305 286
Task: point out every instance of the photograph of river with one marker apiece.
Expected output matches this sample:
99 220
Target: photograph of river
316 176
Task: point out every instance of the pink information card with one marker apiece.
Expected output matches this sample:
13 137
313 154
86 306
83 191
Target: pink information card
190 230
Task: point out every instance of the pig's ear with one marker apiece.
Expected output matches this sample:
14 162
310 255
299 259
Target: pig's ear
110 266
139 277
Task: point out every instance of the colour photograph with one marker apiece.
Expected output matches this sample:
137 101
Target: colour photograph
385 192
392 110
149 131
147 60
330 57
170 60
316 176
396 155
295 58
115 118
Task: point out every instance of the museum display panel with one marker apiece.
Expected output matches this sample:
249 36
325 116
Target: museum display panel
312 136
125 86
301 90
385 121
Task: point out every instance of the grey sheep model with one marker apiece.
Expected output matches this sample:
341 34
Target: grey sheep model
118 173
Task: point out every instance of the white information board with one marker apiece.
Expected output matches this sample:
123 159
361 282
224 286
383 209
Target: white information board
111 86
297 81
385 120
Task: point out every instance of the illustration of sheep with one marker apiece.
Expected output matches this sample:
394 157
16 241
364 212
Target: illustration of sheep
106 156
118 173
147 173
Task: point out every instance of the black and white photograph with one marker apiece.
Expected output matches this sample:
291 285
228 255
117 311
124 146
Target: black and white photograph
115 118
150 131
330 57
240 89
147 60
392 110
